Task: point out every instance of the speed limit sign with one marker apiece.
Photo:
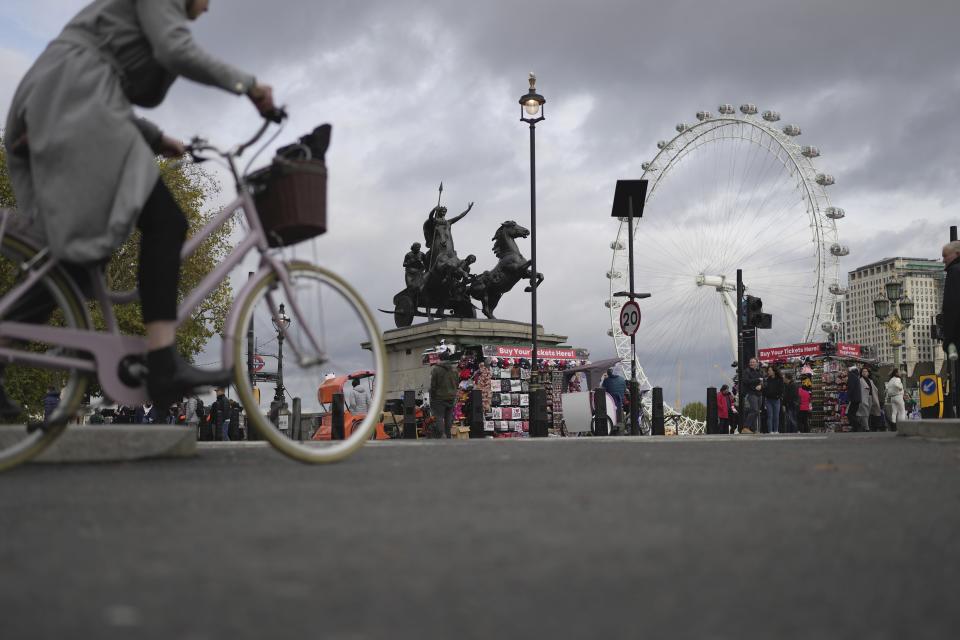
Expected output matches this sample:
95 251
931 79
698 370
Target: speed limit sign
630 318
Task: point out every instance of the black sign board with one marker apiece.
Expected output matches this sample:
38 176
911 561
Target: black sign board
627 189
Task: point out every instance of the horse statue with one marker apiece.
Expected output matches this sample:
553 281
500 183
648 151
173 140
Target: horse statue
489 286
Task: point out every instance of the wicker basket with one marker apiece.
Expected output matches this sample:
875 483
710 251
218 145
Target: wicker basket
291 199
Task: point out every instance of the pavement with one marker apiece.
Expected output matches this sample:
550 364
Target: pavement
839 536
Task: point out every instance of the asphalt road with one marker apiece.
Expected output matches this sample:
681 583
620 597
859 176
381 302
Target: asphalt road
848 536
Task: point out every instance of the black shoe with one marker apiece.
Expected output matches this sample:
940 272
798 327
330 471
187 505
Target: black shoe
170 377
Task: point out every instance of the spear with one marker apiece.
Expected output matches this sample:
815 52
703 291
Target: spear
439 195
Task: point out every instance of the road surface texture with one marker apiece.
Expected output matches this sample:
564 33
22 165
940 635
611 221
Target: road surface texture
847 536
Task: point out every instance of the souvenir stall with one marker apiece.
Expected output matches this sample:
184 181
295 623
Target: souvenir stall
821 368
502 374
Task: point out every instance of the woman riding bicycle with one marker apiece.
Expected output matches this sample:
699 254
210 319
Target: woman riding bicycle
83 165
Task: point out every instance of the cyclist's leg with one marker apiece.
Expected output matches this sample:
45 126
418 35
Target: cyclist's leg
163 228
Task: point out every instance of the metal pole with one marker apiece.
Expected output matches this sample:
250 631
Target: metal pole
278 394
741 408
634 404
251 435
535 377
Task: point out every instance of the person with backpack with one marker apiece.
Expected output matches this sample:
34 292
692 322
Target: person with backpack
220 415
193 413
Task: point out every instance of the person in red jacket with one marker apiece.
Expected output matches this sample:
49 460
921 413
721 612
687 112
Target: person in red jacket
723 409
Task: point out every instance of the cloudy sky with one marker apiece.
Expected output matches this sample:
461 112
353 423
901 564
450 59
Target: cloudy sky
420 92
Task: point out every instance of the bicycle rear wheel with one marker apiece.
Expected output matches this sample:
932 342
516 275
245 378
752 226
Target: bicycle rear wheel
26 383
331 340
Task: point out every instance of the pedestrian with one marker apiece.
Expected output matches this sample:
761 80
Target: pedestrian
220 415
803 408
50 402
894 388
723 409
358 400
616 386
76 101
869 400
772 396
853 396
145 413
443 392
791 400
235 432
190 413
752 397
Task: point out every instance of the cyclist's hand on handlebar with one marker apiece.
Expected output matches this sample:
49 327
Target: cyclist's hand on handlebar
261 95
171 147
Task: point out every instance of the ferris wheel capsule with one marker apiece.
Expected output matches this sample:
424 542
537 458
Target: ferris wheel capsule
836 289
839 250
824 179
830 327
704 115
648 166
726 109
613 303
835 213
663 144
610 333
810 152
771 116
792 130
614 275
682 127
748 109
616 245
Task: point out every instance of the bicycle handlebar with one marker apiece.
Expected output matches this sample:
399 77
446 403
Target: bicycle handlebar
199 145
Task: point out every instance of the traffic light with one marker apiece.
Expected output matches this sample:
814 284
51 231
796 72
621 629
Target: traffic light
755 316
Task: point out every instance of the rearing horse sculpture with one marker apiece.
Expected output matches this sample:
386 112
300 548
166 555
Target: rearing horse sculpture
489 286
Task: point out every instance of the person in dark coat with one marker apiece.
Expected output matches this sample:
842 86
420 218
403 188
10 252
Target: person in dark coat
50 402
772 396
220 416
443 393
791 400
853 396
950 325
752 388
145 414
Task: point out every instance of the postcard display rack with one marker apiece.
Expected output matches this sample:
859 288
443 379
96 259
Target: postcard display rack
826 379
507 396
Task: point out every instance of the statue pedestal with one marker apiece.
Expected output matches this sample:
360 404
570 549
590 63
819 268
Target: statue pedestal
405 346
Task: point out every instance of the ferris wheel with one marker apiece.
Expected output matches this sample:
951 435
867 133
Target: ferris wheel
730 191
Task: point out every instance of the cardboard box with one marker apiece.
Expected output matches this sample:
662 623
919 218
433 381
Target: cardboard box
460 433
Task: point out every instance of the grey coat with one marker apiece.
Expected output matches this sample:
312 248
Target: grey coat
89 165
870 400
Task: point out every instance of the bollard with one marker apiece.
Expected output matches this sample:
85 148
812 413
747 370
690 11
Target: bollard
296 428
656 412
600 426
538 414
336 423
410 415
713 421
476 414
634 408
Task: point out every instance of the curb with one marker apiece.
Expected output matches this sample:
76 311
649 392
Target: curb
929 428
120 443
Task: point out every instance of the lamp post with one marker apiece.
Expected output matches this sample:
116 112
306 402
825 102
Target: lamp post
895 312
281 322
531 112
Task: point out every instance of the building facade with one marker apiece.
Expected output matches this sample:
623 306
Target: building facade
922 281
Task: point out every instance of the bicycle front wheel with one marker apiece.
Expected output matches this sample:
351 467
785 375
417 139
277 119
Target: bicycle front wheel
310 343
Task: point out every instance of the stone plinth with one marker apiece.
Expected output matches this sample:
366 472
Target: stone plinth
405 346
116 443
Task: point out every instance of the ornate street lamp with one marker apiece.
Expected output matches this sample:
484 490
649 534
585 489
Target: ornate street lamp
531 112
281 322
902 309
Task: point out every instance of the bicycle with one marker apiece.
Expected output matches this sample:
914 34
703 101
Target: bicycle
71 345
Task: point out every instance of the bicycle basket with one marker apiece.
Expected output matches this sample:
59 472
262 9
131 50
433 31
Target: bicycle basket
291 199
